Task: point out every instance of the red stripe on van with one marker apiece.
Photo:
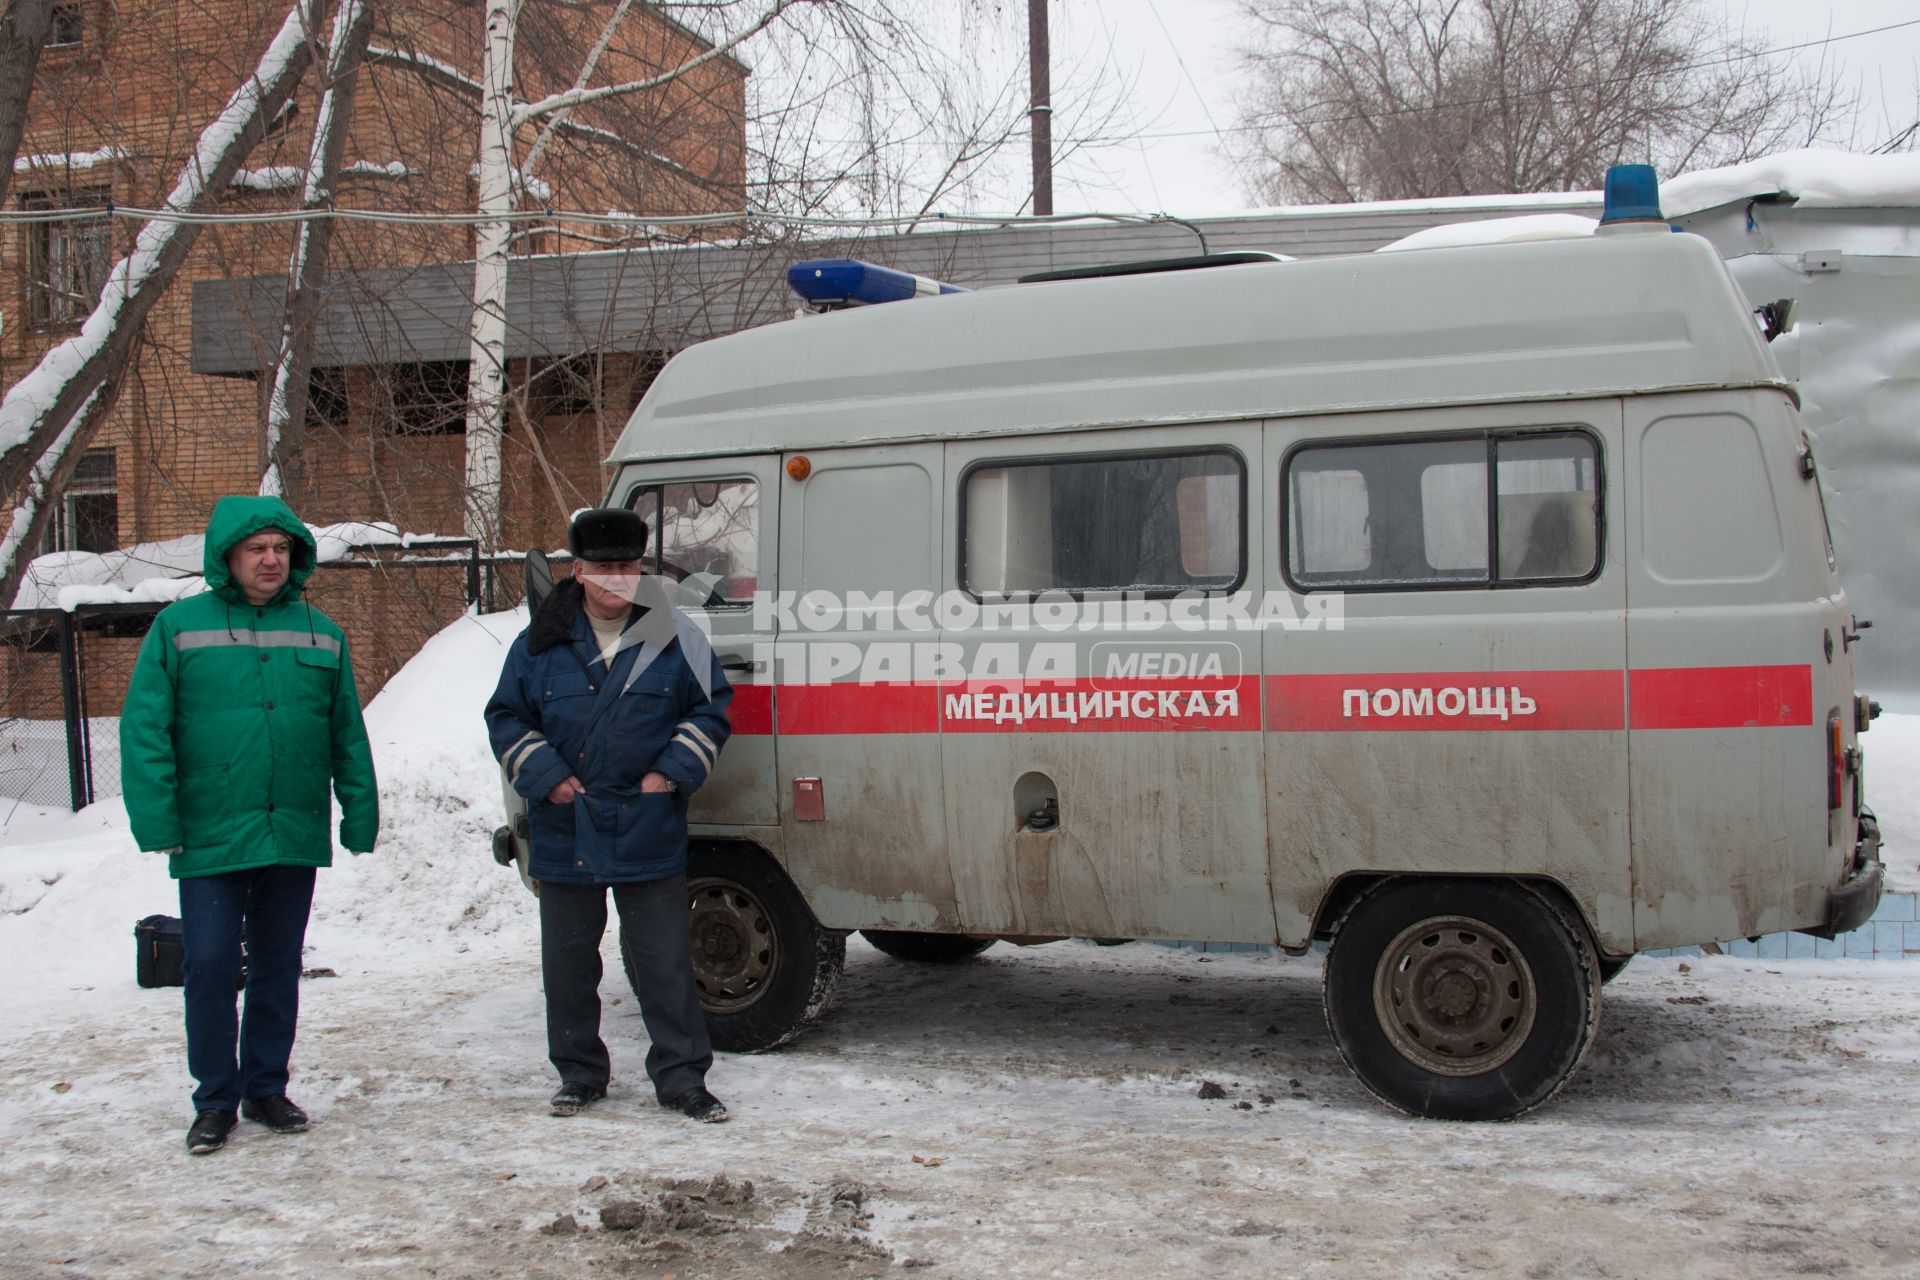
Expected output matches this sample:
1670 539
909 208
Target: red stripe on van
1721 697
752 709
1102 705
1386 702
859 708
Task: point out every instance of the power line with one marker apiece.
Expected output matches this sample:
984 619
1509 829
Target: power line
748 217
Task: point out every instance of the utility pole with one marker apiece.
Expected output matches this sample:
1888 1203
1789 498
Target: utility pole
1040 114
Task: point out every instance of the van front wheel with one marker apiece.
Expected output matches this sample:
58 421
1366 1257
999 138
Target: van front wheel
1461 999
765 967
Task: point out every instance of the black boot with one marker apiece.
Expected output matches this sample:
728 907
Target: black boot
573 1098
276 1113
209 1132
697 1104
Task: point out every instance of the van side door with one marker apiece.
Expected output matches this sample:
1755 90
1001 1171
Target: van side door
1740 664
713 524
1449 698
863 833
1102 765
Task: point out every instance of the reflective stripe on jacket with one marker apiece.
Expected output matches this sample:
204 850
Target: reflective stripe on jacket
561 711
240 720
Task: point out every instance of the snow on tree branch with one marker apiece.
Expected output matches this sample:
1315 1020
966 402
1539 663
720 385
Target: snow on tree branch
579 97
57 404
306 269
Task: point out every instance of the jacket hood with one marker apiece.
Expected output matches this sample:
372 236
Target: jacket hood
237 518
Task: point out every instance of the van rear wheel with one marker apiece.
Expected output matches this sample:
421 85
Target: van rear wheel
1461 999
928 948
765 967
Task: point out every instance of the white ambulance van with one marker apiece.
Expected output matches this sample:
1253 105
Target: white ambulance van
1471 610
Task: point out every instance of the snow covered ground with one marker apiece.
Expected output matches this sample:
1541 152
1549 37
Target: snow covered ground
1030 1113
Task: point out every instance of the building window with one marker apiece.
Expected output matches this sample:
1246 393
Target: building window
427 399
67 258
562 387
1478 511
327 398
1157 523
88 516
69 27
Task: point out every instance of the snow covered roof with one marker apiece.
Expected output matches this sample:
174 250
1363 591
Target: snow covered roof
1535 226
1813 179
170 570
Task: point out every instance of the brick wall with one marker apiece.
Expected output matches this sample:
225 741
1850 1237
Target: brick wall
154 71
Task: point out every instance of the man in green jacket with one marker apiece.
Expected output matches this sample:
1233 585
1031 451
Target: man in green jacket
241 710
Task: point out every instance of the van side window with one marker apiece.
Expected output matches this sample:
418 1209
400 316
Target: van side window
1467 511
1153 523
707 531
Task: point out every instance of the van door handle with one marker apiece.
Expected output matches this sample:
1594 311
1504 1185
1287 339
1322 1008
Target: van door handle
752 666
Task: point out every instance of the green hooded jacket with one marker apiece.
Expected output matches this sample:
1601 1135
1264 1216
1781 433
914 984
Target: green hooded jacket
238 716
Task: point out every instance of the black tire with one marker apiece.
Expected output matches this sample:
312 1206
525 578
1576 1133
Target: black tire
929 948
766 968
1461 999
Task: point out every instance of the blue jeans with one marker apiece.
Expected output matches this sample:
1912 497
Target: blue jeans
268 907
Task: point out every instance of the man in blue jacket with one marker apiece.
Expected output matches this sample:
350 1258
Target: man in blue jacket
608 716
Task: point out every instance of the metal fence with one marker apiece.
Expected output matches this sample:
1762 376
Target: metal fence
63 676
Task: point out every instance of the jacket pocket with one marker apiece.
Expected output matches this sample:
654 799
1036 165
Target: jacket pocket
206 798
316 663
629 830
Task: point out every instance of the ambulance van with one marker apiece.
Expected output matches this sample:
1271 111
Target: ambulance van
1471 610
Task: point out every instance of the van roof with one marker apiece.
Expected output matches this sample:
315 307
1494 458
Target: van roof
1605 315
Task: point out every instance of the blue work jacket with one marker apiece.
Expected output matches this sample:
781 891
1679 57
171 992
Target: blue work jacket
561 711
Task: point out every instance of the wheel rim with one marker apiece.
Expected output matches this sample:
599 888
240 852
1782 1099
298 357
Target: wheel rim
736 950
1454 996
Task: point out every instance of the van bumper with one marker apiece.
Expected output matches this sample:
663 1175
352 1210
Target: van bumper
1854 901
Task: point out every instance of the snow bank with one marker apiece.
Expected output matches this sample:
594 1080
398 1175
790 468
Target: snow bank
431 885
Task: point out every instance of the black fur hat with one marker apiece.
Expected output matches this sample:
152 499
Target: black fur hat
607 533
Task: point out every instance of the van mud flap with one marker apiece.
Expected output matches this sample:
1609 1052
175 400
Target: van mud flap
1853 903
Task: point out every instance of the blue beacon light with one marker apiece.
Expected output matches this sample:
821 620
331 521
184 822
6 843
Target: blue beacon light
1632 195
849 282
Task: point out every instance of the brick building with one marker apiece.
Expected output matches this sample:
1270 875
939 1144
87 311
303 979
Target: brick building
121 93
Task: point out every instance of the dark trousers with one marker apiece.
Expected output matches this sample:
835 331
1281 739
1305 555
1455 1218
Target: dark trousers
268 907
653 927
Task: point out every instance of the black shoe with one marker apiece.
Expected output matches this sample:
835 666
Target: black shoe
276 1113
574 1098
209 1132
697 1104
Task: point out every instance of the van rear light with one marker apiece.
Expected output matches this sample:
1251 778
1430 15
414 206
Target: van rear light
1836 763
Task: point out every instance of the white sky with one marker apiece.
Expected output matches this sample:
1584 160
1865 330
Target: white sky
1181 54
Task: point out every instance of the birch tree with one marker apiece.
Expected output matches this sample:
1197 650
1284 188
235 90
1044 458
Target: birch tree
292 365
47 416
501 118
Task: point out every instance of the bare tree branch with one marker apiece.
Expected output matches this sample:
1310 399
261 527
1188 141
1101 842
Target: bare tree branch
49 414
1396 99
23 32
286 404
